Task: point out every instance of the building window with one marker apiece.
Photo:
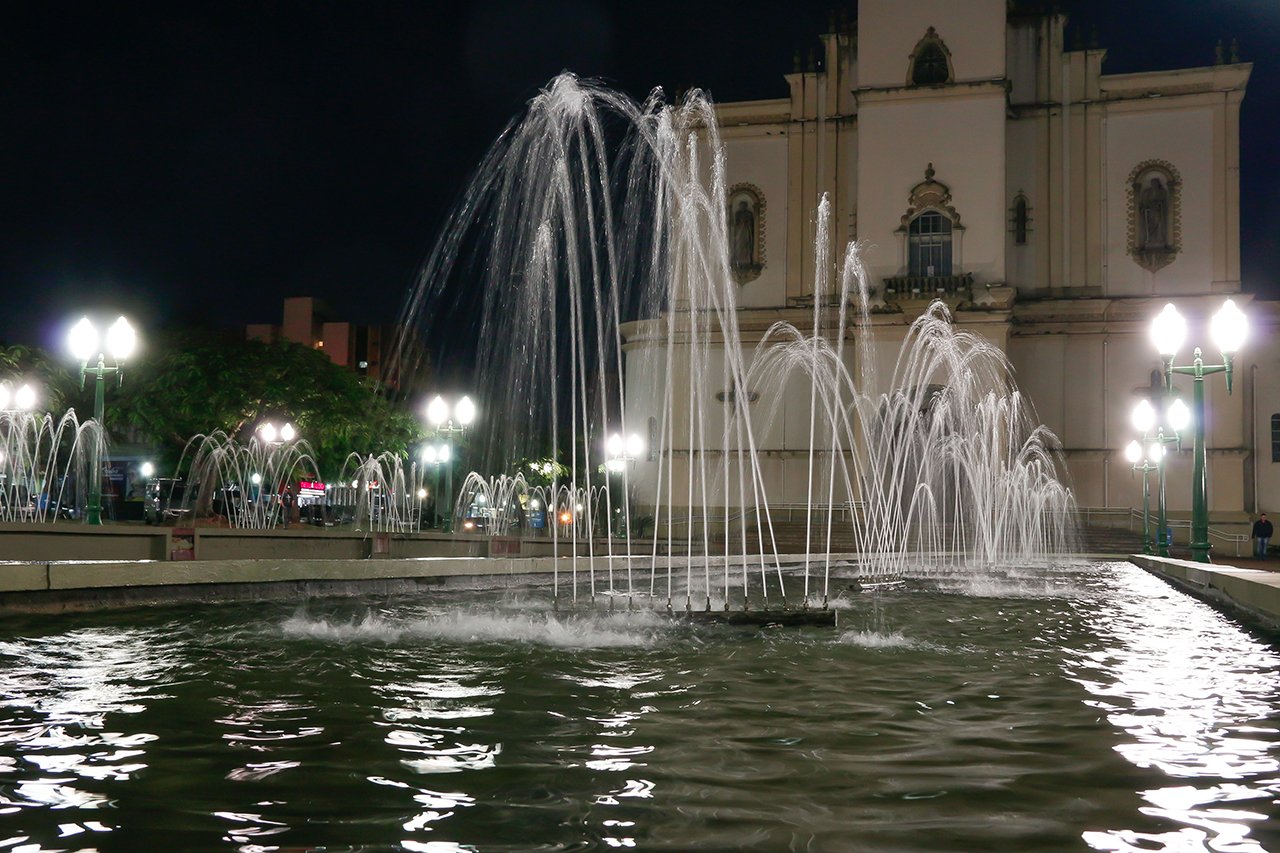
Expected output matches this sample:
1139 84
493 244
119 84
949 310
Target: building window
1021 220
929 244
1275 438
930 61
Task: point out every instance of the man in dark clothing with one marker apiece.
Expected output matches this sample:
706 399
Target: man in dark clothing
1262 531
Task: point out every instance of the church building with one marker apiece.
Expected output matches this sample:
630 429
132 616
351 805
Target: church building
1055 208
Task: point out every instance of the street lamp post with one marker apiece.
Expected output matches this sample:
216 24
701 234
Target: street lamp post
1145 464
1228 328
619 454
83 341
449 421
1174 418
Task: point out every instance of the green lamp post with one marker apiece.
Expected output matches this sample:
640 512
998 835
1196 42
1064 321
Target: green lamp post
1145 463
1228 328
1168 427
449 421
83 340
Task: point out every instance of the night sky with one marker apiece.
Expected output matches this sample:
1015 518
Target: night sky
192 164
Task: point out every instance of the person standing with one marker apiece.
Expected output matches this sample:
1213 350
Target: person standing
1262 531
286 505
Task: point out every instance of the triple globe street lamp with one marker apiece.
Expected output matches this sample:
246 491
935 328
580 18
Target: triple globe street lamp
85 344
1228 328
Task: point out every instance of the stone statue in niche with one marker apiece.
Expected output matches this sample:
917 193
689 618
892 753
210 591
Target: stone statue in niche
743 236
1155 232
745 233
1153 215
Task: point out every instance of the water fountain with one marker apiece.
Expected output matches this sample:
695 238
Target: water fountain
593 211
43 462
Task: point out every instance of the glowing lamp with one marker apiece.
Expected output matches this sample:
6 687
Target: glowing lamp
614 445
422 494
635 445
1133 452
437 411
1155 452
1179 415
1143 416
1168 331
25 398
147 470
465 411
256 478
444 453
121 339
1229 328
83 340
267 431
287 432
429 454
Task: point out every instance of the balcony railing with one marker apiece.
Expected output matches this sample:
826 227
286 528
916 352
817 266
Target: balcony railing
926 286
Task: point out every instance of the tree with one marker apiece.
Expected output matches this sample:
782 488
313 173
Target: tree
188 385
54 383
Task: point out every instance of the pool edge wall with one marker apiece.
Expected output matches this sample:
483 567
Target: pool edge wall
1251 593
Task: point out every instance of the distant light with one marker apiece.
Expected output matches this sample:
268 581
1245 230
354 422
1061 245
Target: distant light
468 525
429 454
635 446
147 469
1133 452
1179 415
256 478
1155 452
287 432
566 517
1143 416
614 446
533 504
481 499
437 411
25 399
362 364
267 431
422 493
465 411
444 452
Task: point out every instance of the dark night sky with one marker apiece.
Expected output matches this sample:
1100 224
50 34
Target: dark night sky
192 164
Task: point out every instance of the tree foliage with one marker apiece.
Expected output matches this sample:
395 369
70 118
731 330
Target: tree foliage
188 386
55 384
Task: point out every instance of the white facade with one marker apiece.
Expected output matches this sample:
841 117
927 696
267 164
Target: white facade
1075 205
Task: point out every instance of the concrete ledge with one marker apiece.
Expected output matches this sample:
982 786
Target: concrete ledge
1251 592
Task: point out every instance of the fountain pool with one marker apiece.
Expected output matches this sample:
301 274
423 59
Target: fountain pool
1089 707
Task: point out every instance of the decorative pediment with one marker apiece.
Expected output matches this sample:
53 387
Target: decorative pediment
929 195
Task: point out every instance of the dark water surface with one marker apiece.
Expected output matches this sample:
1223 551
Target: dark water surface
1093 708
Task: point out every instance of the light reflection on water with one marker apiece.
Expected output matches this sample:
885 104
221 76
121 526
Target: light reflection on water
1027 711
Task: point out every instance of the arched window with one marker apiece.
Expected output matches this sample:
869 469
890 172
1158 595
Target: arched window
1021 219
930 61
931 66
1275 438
929 244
